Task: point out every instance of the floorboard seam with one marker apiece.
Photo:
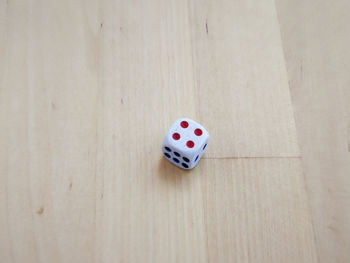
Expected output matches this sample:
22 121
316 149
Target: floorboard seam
251 157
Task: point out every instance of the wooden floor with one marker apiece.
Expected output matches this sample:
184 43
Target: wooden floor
88 89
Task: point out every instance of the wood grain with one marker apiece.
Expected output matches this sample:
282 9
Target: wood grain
316 45
87 92
252 210
49 83
246 92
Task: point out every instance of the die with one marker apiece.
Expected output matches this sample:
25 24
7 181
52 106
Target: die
185 143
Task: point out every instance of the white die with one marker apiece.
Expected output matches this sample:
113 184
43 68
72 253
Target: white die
185 143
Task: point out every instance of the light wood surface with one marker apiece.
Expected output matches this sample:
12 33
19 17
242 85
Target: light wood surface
316 43
88 90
